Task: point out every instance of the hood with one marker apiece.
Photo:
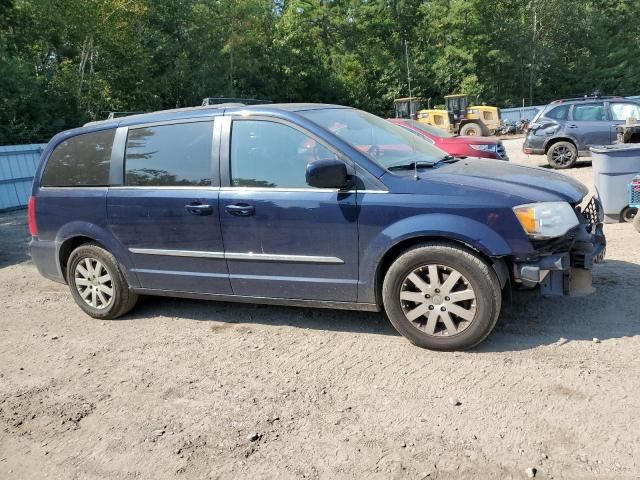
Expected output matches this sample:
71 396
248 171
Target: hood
527 184
471 140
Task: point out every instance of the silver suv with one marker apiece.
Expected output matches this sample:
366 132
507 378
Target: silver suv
566 129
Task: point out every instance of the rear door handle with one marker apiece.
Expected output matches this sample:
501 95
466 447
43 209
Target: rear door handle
572 126
241 209
197 208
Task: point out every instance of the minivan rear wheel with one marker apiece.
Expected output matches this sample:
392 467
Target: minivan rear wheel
562 155
442 297
97 283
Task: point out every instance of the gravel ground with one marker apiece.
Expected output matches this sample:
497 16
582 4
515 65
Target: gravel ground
196 389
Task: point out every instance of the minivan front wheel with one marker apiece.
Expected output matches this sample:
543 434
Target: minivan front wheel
97 284
562 155
442 297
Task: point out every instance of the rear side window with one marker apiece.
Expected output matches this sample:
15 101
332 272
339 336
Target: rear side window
590 112
558 113
80 161
170 155
622 111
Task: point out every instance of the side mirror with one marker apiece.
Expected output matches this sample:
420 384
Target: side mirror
328 174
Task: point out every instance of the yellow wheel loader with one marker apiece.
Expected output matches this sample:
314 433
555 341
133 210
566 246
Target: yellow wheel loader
458 118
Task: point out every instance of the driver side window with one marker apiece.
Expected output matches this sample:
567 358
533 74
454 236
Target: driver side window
272 155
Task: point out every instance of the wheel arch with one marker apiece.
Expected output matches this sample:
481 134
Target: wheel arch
399 248
75 234
552 141
68 246
463 232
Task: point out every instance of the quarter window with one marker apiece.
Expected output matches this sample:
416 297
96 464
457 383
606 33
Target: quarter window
622 111
590 112
169 155
558 113
80 161
269 154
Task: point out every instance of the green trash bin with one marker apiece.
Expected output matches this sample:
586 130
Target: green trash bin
614 166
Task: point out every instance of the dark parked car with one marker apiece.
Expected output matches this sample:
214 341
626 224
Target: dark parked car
306 205
456 145
566 129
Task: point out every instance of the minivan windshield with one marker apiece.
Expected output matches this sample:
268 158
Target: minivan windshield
389 145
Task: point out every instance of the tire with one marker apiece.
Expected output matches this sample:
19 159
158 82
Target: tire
636 223
628 214
562 155
88 267
471 129
439 329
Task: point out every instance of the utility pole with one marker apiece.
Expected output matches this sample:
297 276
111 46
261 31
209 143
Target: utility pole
534 41
406 54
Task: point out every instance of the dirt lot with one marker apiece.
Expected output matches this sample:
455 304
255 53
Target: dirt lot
179 388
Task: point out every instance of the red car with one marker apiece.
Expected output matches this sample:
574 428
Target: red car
486 147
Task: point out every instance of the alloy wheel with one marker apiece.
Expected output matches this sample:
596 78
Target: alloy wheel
562 155
93 282
438 300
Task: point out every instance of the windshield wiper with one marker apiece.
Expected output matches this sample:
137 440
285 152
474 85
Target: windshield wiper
423 164
412 165
447 159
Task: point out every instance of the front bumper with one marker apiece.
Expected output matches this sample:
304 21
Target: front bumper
564 265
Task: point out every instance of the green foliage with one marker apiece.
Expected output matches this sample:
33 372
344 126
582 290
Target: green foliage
64 62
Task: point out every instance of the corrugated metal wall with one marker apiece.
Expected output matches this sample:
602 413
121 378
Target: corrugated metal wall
515 114
17 166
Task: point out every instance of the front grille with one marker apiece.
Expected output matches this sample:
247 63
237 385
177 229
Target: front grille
501 150
592 213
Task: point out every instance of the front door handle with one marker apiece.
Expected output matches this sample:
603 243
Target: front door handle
572 126
241 209
197 208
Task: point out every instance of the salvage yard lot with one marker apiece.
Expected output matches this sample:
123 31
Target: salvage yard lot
196 389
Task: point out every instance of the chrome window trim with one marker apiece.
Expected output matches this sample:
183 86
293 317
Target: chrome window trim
261 257
283 189
164 187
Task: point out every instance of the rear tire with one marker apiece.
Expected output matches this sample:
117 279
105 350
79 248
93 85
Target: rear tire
471 129
562 155
97 283
442 297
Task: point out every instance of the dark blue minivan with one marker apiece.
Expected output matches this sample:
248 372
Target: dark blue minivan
306 205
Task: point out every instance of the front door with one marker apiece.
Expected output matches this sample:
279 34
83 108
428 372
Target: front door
283 238
166 210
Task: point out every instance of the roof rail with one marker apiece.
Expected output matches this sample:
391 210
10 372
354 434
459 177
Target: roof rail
242 101
112 115
593 96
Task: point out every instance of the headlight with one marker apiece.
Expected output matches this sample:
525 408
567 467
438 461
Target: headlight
546 220
485 147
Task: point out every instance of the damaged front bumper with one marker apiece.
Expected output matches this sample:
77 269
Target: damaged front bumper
563 266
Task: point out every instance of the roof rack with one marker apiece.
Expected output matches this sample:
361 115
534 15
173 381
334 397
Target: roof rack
241 101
